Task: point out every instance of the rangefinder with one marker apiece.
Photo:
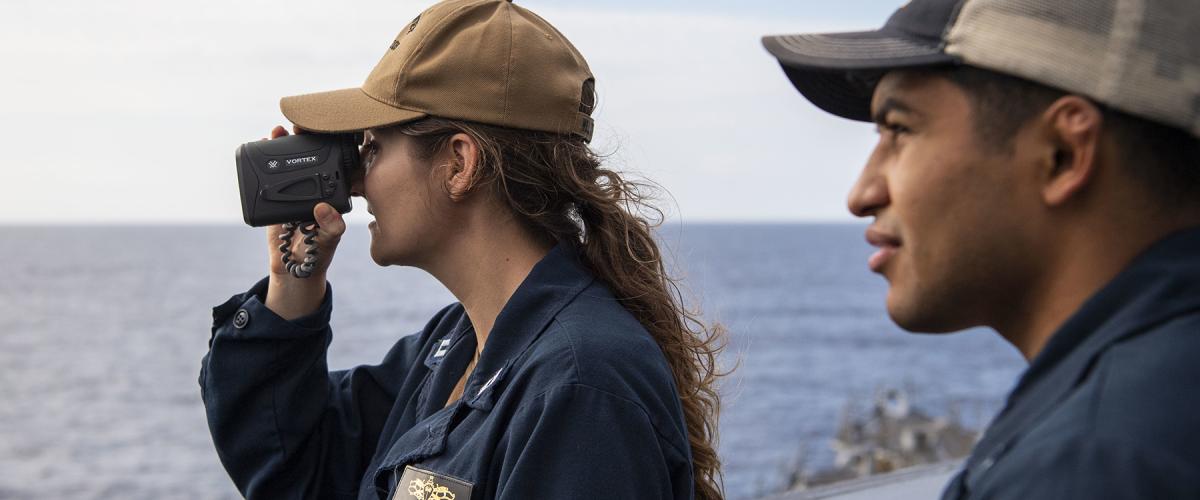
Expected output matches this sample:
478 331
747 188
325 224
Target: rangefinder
281 180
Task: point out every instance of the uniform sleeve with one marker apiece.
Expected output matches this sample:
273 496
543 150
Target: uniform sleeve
577 441
1093 468
283 425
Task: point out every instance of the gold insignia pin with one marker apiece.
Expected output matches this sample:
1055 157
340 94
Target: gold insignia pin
420 484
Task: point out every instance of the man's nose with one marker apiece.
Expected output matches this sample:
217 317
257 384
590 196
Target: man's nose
869 193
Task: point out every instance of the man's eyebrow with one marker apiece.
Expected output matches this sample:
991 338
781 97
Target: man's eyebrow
890 104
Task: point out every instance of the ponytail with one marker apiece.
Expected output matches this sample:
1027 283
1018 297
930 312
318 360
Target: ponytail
558 188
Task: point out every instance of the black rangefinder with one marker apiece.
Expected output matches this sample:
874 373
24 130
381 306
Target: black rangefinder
281 180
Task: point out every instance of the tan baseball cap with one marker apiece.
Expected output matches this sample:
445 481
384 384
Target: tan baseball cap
1137 56
486 61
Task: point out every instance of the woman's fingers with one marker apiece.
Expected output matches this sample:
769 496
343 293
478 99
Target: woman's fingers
273 252
332 226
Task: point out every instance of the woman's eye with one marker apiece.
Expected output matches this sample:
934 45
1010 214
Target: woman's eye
369 153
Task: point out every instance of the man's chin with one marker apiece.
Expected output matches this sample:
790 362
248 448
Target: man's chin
916 319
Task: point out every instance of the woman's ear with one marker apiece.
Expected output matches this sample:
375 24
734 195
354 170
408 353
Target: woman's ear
462 166
1073 126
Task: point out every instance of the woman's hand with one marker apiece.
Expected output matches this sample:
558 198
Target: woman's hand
288 296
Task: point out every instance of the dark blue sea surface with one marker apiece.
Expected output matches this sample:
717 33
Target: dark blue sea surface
102 330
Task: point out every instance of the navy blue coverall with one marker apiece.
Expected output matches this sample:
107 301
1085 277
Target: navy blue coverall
1109 409
571 398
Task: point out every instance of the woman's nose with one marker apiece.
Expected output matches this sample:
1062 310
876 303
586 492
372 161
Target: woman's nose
355 177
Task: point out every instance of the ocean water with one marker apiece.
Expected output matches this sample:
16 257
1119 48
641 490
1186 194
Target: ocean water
102 330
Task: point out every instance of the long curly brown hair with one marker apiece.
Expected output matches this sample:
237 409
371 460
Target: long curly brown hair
557 186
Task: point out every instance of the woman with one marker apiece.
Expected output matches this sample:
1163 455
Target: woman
568 368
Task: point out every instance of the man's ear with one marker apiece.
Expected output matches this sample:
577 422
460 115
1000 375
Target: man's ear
463 166
1072 126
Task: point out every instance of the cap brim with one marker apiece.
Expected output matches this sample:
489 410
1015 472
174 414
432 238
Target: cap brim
838 71
346 110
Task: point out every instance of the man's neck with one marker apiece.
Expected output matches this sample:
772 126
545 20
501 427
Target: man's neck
1083 263
1050 305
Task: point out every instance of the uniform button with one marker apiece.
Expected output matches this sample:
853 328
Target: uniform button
241 318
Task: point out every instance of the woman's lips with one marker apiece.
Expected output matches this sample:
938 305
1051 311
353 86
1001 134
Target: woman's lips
888 247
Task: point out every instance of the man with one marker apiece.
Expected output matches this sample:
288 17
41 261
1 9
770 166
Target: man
1038 172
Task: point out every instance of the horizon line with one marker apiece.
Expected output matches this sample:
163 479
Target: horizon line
214 223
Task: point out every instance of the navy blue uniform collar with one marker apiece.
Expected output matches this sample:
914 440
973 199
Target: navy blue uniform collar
1161 283
551 285
1157 285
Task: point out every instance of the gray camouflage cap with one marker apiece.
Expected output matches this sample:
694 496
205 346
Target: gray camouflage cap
1137 56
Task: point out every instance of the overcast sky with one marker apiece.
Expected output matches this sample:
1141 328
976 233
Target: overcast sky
129 111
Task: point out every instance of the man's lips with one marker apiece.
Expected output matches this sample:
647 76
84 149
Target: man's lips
888 246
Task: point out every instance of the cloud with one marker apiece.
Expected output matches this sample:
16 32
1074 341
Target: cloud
131 110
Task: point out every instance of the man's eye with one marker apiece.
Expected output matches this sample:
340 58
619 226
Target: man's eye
895 128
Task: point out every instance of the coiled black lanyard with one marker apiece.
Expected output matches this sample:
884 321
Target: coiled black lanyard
299 269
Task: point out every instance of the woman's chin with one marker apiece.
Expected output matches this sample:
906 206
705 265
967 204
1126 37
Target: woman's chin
384 255
377 253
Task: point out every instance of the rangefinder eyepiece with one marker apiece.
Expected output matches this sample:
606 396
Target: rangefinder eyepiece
281 180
